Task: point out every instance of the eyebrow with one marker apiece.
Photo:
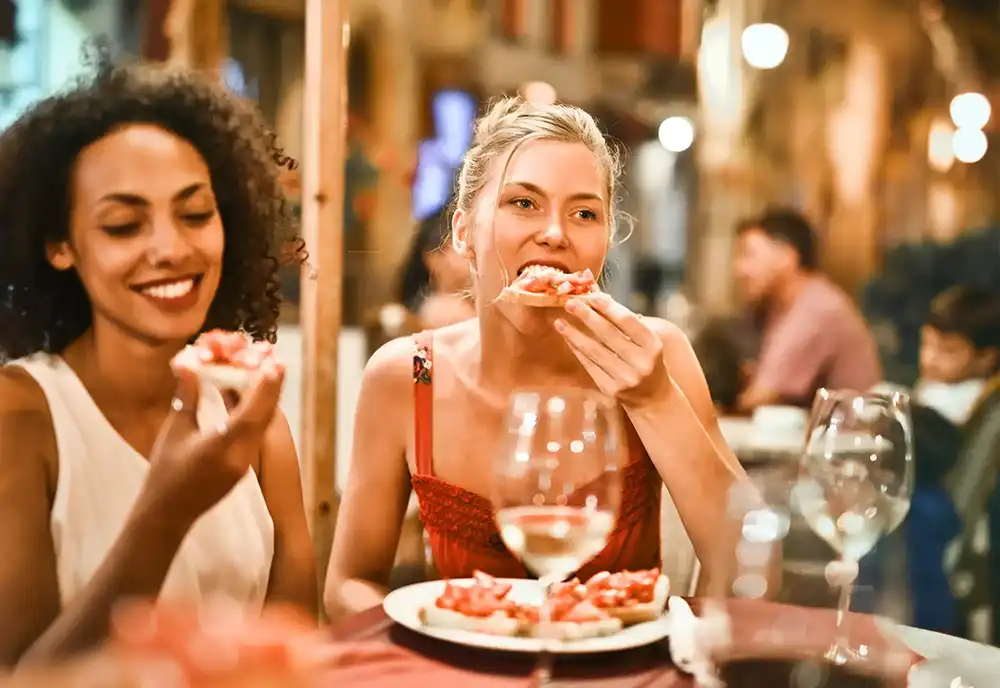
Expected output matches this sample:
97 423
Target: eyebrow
138 201
534 188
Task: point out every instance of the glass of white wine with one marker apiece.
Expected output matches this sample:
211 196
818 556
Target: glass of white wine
557 483
855 481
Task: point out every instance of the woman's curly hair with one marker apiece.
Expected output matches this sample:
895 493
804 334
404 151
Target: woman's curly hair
43 309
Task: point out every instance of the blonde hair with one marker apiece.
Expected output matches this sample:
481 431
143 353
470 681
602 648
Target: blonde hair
512 122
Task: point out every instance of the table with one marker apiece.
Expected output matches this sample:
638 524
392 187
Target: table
803 632
754 447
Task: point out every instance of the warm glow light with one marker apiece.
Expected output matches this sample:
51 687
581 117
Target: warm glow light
970 111
940 145
539 93
969 145
676 134
764 45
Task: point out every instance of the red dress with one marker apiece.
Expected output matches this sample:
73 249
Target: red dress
460 526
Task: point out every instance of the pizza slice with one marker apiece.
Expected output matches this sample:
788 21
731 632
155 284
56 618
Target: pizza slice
546 286
630 596
479 607
228 360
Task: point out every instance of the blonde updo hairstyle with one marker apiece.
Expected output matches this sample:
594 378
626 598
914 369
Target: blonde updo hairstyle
509 124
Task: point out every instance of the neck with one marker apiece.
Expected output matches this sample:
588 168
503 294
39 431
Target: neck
788 292
511 358
122 370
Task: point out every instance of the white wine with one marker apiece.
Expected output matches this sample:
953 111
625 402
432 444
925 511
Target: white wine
554 540
847 508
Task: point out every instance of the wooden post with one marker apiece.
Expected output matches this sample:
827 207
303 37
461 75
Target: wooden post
323 155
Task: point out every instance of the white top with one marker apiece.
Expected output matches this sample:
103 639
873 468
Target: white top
953 400
227 552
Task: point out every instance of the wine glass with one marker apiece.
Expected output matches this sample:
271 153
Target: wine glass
557 484
855 480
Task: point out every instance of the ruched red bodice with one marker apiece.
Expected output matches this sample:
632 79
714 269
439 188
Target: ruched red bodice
460 526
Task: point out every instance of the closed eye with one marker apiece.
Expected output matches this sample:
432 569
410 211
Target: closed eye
198 219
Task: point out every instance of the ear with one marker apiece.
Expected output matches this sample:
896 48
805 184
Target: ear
460 235
60 255
988 359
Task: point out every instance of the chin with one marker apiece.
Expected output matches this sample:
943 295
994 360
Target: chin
530 321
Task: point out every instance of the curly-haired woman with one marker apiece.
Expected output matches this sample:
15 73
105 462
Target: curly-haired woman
140 208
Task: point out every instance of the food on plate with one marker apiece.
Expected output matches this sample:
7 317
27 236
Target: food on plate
545 286
602 606
571 616
480 607
228 360
631 596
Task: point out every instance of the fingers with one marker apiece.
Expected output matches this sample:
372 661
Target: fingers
603 329
185 401
626 321
594 351
257 407
603 380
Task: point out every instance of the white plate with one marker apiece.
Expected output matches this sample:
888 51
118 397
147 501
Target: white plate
402 606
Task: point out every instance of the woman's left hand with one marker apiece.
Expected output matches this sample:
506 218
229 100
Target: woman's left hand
621 353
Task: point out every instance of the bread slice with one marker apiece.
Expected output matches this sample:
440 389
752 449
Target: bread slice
648 611
498 623
576 630
227 377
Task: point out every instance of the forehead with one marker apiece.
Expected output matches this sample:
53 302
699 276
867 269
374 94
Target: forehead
122 160
556 167
756 239
950 340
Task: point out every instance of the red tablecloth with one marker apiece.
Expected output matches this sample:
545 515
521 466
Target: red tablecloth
766 635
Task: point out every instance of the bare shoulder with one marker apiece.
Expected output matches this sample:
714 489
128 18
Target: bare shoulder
391 366
27 436
19 393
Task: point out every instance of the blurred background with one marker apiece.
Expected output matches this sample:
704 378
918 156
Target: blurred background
870 117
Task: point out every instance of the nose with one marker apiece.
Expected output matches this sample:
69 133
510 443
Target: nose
554 234
168 244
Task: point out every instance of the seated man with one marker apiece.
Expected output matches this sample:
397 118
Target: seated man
813 334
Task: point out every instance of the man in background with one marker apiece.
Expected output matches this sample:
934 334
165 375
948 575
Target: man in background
813 335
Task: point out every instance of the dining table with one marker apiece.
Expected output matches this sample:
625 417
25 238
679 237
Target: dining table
771 645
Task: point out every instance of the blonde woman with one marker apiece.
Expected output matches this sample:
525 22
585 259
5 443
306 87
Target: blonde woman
538 185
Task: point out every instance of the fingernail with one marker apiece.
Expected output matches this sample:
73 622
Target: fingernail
560 324
573 306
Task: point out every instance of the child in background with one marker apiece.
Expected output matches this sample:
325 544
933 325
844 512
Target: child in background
959 349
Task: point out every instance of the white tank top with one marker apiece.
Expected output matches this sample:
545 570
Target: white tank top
227 552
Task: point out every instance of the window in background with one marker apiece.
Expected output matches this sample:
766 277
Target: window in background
453 112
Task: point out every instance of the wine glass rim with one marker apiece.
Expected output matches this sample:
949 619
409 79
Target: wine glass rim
842 394
568 391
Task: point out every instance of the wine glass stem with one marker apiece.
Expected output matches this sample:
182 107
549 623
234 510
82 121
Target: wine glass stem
543 666
840 649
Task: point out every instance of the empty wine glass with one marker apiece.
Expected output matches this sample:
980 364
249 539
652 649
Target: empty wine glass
557 484
855 480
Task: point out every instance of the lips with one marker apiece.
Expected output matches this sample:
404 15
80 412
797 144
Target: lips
545 263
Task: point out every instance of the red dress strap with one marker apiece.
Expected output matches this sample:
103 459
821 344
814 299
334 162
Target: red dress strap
423 402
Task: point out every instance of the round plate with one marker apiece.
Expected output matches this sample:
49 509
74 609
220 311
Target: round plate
402 606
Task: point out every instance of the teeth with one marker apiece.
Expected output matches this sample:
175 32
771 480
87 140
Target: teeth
174 290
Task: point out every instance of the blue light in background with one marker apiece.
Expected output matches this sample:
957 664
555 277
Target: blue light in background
454 113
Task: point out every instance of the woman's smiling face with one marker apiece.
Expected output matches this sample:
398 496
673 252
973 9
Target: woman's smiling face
145 236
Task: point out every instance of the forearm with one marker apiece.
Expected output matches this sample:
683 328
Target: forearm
135 567
345 597
699 473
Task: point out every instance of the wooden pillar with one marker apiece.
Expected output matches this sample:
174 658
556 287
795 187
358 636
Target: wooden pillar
323 155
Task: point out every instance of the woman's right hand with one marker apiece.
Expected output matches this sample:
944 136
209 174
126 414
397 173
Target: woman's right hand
192 468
